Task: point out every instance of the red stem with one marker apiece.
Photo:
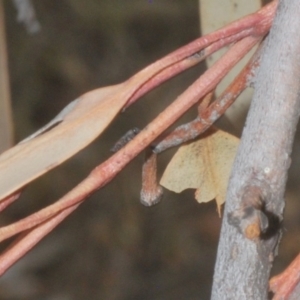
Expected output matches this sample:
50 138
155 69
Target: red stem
29 239
185 64
208 115
256 24
48 218
105 172
9 200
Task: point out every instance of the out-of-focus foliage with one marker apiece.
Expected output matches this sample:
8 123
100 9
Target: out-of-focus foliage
6 126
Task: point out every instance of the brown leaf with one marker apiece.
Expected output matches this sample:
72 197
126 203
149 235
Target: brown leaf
204 165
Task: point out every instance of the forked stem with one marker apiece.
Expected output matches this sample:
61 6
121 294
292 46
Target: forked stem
41 223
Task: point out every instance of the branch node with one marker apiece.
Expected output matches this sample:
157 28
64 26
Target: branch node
253 220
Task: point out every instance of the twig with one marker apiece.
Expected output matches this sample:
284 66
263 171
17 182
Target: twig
255 24
121 94
186 63
105 172
9 200
102 174
29 239
207 116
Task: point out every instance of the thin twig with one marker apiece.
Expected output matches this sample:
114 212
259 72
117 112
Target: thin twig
186 63
105 172
29 239
256 24
9 200
49 217
207 116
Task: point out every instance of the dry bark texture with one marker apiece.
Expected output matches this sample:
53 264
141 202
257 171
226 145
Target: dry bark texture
255 197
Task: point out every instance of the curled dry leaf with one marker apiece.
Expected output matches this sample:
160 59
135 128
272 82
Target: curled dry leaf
205 165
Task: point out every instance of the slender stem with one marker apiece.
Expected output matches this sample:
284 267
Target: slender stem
256 25
188 62
102 174
208 115
29 239
9 200
105 172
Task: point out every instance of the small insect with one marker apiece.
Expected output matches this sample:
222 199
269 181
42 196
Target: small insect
126 138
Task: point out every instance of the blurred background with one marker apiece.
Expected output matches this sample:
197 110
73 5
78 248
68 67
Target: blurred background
112 247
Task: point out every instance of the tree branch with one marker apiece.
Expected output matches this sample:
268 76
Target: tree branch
254 201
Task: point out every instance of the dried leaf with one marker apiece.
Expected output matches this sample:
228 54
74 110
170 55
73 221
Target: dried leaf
78 125
205 165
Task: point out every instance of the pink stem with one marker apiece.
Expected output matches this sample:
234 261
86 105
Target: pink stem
105 172
256 24
29 239
9 200
50 217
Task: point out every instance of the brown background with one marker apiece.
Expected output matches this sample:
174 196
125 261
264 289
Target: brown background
112 247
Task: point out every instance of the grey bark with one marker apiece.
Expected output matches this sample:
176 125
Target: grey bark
255 196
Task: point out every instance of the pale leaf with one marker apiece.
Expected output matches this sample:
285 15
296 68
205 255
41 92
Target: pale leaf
204 164
78 125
